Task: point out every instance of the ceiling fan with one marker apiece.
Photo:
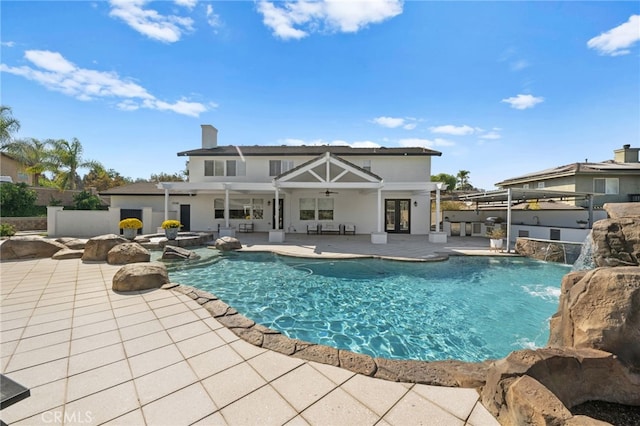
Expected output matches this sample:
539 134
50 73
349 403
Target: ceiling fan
328 193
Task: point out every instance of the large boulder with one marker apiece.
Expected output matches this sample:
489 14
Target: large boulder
600 309
97 248
228 244
537 387
618 210
178 253
616 242
128 253
29 248
73 243
140 276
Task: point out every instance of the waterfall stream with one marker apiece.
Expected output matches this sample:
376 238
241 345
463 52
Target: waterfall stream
585 260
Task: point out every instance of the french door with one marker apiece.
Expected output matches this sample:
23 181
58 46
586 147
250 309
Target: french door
397 216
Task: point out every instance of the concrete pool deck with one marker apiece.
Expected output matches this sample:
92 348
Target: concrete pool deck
91 356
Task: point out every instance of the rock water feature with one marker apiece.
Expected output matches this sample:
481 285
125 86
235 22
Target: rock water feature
593 355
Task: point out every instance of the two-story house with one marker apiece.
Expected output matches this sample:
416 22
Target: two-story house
293 189
612 181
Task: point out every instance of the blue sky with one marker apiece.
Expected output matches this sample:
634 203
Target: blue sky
500 88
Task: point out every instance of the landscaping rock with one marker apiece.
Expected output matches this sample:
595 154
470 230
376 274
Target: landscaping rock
68 254
73 243
228 244
97 248
600 309
358 363
140 276
616 242
128 253
178 253
29 248
618 210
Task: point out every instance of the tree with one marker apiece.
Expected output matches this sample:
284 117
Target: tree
463 180
450 180
8 124
85 200
16 199
165 177
102 179
33 154
68 159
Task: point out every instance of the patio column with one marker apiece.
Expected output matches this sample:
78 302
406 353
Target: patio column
509 200
276 225
226 207
438 236
276 235
166 203
438 186
380 216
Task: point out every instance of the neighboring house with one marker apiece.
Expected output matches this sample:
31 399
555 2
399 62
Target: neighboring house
612 181
294 188
15 170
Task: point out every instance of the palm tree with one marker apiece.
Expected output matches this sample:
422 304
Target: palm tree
8 124
68 159
32 153
463 179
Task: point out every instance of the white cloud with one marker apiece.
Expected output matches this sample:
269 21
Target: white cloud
149 22
321 142
450 129
189 4
616 41
56 73
296 20
213 19
407 123
492 135
523 101
518 65
8 43
424 143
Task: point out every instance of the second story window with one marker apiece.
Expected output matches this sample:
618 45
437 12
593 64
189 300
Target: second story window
609 186
224 168
213 168
540 185
277 167
525 186
366 164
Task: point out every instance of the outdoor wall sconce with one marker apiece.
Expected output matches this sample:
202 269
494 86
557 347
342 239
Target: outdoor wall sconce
268 203
415 204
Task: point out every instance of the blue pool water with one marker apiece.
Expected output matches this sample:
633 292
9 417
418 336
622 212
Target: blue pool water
466 308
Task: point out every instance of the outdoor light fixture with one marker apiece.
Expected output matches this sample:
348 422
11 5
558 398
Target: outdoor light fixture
268 203
415 204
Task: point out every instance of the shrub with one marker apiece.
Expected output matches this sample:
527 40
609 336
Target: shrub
85 200
7 230
130 223
171 224
17 200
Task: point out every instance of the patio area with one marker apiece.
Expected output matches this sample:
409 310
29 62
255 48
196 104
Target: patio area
91 356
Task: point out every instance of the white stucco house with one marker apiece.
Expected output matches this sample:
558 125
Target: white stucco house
295 189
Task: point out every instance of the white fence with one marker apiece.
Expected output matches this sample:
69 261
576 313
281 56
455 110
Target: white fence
90 223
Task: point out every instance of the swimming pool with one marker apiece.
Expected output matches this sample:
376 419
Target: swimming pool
466 308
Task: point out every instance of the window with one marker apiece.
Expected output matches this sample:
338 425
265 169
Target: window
609 186
213 168
277 167
366 164
236 168
525 186
325 208
240 208
307 208
540 185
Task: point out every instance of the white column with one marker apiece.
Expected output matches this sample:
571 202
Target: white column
508 219
166 203
276 208
437 208
380 209
226 208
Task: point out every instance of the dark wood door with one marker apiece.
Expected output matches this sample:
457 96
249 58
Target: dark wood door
397 216
185 217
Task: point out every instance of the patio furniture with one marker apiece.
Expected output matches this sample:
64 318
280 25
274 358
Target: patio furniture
329 228
245 227
313 228
349 228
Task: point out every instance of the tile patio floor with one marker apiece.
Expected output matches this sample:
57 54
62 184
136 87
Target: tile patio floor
91 356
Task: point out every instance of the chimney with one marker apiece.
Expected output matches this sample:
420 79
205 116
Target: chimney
626 154
209 136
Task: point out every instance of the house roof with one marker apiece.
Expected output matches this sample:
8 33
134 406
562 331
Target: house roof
138 188
335 158
285 150
605 167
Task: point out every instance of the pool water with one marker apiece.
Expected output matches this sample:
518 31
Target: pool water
466 308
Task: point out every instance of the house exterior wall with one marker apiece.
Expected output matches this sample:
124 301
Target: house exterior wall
12 168
627 185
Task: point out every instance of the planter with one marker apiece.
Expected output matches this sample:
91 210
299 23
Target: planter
171 233
495 244
129 233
